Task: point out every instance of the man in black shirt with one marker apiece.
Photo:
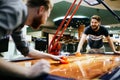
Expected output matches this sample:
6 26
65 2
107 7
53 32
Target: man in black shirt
94 35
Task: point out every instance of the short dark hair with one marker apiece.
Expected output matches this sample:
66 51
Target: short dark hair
37 3
96 17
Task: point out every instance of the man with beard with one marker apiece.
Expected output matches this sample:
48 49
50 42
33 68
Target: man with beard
13 15
94 35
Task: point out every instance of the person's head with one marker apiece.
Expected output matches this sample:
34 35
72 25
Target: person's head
95 22
39 11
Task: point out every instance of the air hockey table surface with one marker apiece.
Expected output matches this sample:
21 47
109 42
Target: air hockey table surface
86 66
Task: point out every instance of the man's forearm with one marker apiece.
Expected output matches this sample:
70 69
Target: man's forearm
12 69
111 44
82 40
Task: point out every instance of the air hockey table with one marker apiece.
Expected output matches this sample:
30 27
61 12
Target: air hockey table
83 67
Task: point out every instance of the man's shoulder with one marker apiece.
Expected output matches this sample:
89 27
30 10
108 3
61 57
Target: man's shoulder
87 28
103 27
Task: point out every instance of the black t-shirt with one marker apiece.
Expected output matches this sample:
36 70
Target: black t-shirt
95 37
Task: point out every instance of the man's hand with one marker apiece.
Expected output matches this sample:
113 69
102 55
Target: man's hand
78 54
57 58
117 52
42 66
64 60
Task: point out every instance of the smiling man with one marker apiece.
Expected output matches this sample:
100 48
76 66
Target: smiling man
94 35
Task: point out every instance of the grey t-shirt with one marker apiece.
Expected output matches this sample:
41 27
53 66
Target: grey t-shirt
13 14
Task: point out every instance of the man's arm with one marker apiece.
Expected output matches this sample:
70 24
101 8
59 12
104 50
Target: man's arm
37 54
81 42
15 70
26 50
110 41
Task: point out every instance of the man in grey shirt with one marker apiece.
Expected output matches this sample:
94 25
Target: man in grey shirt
13 15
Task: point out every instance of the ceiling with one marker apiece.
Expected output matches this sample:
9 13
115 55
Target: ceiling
61 6
114 4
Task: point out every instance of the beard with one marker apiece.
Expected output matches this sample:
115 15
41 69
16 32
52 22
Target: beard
94 28
37 21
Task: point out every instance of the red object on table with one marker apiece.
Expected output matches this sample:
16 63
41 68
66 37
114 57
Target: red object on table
55 49
64 60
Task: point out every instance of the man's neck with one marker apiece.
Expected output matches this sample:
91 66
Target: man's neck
97 28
